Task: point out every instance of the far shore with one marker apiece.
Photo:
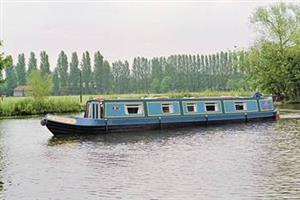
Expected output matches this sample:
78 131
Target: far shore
27 107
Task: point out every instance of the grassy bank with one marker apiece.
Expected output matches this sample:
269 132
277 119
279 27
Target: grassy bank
28 106
22 106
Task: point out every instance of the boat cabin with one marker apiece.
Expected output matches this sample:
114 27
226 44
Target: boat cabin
106 109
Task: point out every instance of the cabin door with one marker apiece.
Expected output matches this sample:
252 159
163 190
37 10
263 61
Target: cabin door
95 111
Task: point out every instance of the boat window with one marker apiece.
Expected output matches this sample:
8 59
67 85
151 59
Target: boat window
90 110
132 109
240 106
101 111
191 107
115 108
211 107
167 108
87 110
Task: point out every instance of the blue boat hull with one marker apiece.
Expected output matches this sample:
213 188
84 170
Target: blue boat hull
77 126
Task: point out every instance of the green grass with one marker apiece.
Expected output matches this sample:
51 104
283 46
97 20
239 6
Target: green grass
22 106
28 106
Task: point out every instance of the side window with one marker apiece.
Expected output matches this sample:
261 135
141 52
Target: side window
90 110
191 107
134 109
211 107
167 108
94 111
87 110
240 106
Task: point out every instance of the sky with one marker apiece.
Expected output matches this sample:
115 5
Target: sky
122 30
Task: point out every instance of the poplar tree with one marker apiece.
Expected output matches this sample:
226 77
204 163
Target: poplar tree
156 75
55 80
21 70
86 72
44 65
11 80
74 77
99 72
62 67
107 77
5 61
32 63
121 76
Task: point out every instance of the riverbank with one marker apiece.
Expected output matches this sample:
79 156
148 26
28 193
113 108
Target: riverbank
16 107
12 107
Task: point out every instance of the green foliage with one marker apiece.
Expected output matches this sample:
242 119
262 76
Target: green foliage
155 86
4 62
55 81
121 76
74 77
179 72
21 70
102 74
11 80
166 84
62 69
107 77
39 86
29 106
44 65
86 73
273 59
99 72
141 74
32 63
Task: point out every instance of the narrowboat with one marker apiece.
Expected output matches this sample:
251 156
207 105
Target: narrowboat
103 116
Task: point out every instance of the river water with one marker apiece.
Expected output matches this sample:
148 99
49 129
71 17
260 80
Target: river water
258 160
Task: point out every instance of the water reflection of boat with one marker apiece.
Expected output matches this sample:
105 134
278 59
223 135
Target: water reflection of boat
102 116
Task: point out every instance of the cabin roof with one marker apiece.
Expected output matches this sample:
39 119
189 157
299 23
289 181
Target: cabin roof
21 88
176 99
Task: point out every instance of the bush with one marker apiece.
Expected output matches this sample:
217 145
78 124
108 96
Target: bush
39 86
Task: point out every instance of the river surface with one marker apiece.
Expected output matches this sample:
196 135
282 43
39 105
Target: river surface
258 160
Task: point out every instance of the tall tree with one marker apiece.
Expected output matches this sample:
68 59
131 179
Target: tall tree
11 80
62 67
74 74
107 77
121 76
269 68
86 72
99 72
5 61
55 81
21 70
44 65
32 63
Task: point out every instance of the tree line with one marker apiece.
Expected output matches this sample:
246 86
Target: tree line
270 65
220 71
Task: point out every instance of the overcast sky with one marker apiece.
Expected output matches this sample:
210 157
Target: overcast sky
125 29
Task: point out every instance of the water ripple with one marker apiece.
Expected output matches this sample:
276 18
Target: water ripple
248 161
